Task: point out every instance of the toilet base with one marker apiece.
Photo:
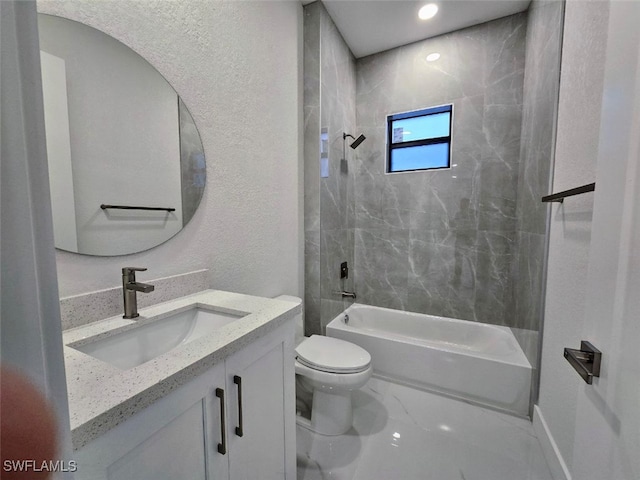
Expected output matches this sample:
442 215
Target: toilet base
331 413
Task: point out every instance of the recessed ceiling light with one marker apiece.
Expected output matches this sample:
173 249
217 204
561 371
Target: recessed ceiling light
432 57
428 11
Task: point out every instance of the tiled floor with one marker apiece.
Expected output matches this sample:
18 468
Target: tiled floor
405 434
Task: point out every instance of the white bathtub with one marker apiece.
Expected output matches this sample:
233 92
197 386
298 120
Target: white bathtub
473 361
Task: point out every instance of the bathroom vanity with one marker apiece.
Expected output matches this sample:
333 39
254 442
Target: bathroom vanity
217 406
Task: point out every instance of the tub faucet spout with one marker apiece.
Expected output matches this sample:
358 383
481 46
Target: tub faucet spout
346 294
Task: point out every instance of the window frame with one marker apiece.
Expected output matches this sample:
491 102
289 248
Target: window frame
423 112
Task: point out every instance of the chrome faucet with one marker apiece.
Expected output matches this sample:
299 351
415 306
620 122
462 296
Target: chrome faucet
129 290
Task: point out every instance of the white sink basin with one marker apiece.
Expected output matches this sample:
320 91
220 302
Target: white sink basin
138 345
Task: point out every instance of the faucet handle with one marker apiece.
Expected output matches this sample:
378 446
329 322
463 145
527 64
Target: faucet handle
129 273
128 270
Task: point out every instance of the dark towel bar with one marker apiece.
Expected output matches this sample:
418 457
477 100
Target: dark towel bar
560 196
128 207
585 361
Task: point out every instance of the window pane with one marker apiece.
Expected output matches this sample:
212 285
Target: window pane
420 128
420 157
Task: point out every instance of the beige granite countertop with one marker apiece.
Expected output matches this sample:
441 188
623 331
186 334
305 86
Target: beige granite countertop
102 396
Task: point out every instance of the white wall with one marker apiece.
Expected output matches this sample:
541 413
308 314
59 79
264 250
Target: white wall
56 120
236 65
603 443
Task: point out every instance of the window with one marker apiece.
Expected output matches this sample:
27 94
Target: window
419 140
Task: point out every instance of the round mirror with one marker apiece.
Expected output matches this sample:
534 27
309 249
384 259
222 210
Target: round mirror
126 163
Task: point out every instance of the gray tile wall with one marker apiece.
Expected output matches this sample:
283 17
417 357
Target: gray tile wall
466 242
311 101
541 83
443 242
329 103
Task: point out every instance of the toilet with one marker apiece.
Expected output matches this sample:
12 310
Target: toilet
330 369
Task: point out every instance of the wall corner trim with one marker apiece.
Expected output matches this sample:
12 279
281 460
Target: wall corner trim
552 455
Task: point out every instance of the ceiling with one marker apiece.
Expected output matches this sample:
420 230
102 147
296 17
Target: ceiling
371 26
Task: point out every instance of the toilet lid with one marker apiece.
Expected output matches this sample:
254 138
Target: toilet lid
332 355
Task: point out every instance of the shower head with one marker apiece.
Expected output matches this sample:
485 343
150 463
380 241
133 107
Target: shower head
356 141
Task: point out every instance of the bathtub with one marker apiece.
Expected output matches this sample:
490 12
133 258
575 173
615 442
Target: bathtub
473 361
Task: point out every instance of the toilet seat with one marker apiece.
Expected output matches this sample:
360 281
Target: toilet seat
332 355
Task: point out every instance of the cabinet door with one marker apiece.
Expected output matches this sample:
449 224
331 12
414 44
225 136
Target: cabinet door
175 437
263 377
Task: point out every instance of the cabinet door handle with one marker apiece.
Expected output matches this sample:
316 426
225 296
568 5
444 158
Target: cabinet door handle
222 447
238 381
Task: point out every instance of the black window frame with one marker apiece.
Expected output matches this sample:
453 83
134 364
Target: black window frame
424 112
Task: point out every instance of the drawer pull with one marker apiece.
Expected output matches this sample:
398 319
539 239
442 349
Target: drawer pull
238 381
222 447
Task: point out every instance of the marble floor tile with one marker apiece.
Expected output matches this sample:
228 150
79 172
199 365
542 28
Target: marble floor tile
405 451
404 433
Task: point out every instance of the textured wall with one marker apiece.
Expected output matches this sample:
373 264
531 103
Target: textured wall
442 242
581 83
330 92
236 65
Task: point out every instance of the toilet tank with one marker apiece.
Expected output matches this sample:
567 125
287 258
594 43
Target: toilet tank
299 318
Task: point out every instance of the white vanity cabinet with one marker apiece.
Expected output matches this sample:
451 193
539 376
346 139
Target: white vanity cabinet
236 421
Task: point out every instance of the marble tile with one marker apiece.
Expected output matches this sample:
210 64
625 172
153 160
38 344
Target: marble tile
368 201
505 60
332 200
335 248
494 296
371 396
529 269
470 211
541 80
502 128
481 72
443 277
312 281
311 109
381 259
405 451
329 103
319 457
412 434
495 212
469 139
312 324
311 168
